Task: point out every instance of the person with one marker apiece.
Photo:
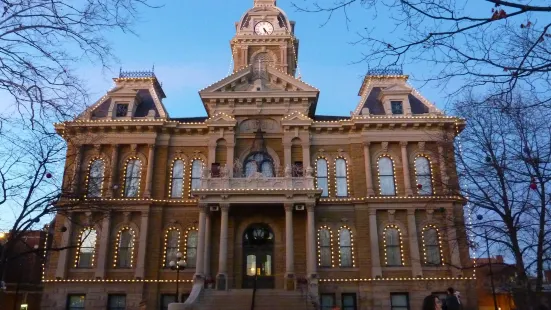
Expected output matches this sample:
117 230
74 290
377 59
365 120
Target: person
432 302
452 301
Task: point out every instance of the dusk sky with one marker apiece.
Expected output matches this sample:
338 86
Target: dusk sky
188 42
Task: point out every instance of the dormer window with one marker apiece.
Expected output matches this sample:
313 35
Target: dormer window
122 109
397 107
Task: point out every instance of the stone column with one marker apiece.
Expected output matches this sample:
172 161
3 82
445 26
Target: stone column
230 158
150 172
142 246
62 263
114 169
305 156
443 173
453 245
289 250
200 264
374 239
222 277
405 167
76 173
368 175
311 265
103 245
212 154
416 269
208 233
287 155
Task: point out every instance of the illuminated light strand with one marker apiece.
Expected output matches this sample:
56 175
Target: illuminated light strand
186 241
47 229
252 189
167 233
325 227
144 200
88 169
133 234
433 189
88 229
191 174
347 180
117 280
394 279
326 175
441 253
351 245
393 175
392 226
170 184
295 113
125 175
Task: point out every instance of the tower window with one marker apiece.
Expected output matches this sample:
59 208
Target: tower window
397 107
122 109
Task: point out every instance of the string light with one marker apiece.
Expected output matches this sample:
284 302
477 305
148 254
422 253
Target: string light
326 174
186 240
441 254
321 280
393 174
325 227
87 232
395 279
117 245
47 229
116 280
167 233
125 169
337 177
139 200
432 188
344 227
170 184
392 226
90 163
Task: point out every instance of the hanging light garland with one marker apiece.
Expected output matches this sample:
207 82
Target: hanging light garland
328 229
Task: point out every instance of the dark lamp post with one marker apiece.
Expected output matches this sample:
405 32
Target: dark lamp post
178 264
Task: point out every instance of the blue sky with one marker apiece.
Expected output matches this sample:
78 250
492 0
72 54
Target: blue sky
188 42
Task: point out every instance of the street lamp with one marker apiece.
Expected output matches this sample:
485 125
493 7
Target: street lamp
480 217
178 264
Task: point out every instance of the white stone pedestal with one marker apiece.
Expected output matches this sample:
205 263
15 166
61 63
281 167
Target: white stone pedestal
176 306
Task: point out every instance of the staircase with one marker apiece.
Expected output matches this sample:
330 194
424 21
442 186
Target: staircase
241 299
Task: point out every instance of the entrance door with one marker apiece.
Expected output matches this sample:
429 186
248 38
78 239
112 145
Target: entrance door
258 256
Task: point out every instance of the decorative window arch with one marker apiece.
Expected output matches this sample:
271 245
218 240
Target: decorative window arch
190 247
94 178
322 176
423 175
386 171
341 177
195 173
124 250
325 247
86 249
260 162
177 172
393 244
432 245
171 245
132 177
346 247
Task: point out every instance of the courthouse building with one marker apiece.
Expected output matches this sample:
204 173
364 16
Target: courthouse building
359 211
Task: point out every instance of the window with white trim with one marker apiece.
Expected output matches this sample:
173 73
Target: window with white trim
132 178
345 247
191 248
196 171
321 176
392 244
341 177
432 246
86 249
95 178
177 182
423 176
325 259
386 176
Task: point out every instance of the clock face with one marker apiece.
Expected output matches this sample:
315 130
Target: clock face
264 28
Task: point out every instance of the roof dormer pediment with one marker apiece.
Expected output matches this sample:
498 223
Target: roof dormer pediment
221 119
296 119
396 89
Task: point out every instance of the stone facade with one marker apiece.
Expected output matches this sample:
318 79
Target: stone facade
264 110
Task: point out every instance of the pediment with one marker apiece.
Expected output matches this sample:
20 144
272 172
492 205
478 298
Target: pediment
221 119
122 92
396 88
247 80
296 118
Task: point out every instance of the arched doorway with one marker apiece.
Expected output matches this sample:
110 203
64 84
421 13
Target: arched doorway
258 256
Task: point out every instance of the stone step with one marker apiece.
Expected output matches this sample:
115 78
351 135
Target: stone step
241 299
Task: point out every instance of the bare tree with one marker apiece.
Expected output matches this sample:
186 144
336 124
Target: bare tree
504 162
493 45
40 43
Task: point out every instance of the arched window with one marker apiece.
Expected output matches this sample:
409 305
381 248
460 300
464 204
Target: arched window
259 162
341 177
325 242
124 256
177 182
431 243
321 176
132 178
196 171
172 245
86 248
345 248
423 175
392 242
191 247
386 176
95 178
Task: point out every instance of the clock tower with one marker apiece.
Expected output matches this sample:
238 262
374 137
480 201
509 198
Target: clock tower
265 37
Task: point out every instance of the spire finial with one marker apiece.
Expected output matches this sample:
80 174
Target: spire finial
265 3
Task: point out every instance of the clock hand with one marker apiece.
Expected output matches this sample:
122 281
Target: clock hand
265 31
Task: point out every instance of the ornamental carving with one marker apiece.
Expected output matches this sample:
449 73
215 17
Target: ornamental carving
266 125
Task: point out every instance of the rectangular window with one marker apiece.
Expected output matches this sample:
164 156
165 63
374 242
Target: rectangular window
399 301
298 170
348 301
122 109
215 170
75 302
167 299
116 302
327 301
397 107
